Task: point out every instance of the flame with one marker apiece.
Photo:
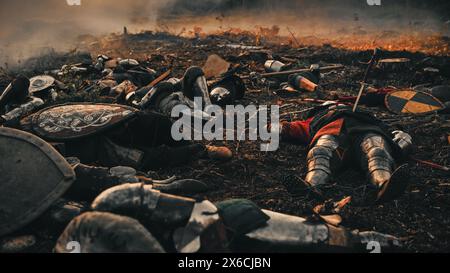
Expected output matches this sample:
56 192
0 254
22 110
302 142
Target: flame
428 43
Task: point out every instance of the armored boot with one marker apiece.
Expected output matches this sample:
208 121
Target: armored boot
195 85
322 159
378 162
101 232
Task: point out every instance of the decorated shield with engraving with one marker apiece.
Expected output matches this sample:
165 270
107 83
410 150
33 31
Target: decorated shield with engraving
412 102
73 121
33 176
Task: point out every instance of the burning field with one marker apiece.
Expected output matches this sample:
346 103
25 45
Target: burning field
416 54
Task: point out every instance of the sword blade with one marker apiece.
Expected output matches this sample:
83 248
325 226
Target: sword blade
361 91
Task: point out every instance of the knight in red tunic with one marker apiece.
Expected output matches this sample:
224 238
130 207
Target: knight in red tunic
337 136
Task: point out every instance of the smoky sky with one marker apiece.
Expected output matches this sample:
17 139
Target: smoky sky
26 25
20 18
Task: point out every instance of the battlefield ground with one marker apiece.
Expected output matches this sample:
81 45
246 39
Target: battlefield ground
273 179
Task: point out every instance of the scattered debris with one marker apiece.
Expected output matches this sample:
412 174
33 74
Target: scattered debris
275 66
393 64
215 66
17 244
41 83
244 47
431 70
152 58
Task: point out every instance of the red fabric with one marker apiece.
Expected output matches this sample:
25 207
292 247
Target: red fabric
334 128
299 130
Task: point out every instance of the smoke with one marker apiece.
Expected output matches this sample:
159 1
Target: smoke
28 27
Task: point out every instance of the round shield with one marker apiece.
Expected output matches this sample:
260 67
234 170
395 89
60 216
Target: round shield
40 83
73 121
33 176
412 102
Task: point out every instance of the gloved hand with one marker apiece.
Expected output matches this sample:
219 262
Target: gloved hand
403 140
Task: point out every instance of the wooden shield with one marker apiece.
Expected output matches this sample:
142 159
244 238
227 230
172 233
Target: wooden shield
73 121
33 176
412 102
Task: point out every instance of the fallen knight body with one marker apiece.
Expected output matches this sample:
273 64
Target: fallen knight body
337 136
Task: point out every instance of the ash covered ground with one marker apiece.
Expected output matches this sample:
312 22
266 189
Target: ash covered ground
420 216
